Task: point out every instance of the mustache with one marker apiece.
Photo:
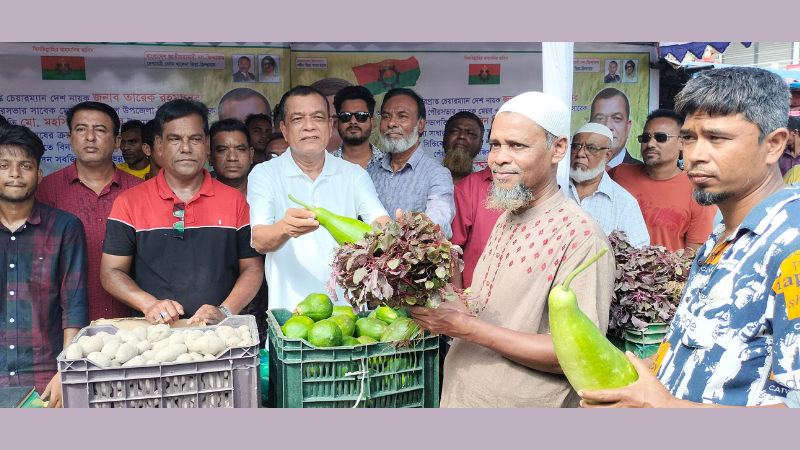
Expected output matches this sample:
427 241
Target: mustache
393 130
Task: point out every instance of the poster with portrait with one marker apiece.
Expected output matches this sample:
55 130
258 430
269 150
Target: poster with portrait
269 68
39 82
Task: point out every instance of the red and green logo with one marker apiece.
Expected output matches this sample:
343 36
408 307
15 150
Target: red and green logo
484 74
388 74
63 68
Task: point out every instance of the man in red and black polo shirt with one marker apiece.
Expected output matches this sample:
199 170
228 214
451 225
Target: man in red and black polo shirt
88 187
187 235
42 271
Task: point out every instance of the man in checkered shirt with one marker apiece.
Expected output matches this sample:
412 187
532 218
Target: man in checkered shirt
595 191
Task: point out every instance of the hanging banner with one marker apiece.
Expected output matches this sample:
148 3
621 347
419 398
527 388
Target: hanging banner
454 77
613 89
40 82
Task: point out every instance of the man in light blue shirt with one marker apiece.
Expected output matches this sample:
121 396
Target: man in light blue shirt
407 178
592 188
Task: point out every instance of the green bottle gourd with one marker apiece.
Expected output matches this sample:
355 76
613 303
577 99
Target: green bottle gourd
343 229
587 358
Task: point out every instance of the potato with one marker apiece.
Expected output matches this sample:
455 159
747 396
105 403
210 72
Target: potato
243 328
196 356
83 340
140 332
74 351
246 342
111 348
171 353
94 344
143 346
125 352
101 359
160 345
184 357
210 333
214 345
196 345
233 341
149 355
177 338
156 333
224 332
127 336
151 362
135 361
194 334
209 358
115 363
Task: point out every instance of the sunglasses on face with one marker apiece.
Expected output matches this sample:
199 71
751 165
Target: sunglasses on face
660 137
177 227
591 148
346 116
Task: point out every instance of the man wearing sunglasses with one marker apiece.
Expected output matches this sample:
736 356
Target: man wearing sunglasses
662 189
354 107
591 187
186 234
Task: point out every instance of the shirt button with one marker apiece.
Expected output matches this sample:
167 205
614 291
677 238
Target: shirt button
487 283
11 265
11 293
11 346
11 320
13 238
12 373
497 255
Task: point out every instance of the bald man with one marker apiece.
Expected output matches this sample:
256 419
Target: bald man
504 356
591 187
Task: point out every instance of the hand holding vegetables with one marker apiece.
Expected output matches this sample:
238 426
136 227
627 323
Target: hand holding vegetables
296 222
172 311
646 392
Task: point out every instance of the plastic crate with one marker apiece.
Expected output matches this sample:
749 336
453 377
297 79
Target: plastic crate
377 375
644 343
616 340
230 381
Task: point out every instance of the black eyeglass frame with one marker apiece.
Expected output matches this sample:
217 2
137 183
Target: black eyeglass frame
361 116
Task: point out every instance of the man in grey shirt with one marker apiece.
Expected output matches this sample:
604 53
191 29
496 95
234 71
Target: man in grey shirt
407 178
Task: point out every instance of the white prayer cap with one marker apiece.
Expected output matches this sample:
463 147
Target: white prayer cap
546 110
598 128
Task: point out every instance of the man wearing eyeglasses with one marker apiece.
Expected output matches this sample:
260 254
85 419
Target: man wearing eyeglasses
186 234
662 189
354 107
606 201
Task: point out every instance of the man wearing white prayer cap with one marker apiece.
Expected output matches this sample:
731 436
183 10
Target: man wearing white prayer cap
503 356
606 201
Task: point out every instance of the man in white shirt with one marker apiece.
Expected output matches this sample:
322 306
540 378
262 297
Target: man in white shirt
298 253
592 188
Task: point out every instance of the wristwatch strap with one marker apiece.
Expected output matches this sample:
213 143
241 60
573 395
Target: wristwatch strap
225 310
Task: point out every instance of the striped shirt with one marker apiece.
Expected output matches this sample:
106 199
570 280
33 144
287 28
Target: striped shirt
422 185
43 265
615 209
377 154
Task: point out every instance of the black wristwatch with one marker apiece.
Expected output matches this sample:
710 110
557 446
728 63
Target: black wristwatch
225 310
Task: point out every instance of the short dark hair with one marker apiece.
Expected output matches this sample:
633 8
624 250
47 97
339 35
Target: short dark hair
793 123
330 86
244 57
178 108
665 113
300 91
22 137
270 59
149 134
275 136
761 96
229 125
242 93
465 115
354 93
405 91
3 120
614 62
611 92
251 117
133 125
94 106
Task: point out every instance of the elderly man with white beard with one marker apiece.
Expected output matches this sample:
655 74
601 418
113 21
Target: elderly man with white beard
407 178
591 187
504 356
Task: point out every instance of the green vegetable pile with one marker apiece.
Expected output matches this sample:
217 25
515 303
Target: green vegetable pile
408 262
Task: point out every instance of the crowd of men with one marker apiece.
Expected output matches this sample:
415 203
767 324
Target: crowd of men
162 237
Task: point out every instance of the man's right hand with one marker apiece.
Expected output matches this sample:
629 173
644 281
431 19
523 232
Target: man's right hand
171 310
298 222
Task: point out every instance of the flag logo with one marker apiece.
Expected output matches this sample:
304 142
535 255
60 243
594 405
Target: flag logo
63 68
388 74
484 74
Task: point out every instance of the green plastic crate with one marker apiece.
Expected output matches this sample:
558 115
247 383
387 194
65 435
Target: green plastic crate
616 340
644 343
375 375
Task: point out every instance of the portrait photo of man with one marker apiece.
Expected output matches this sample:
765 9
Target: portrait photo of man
269 69
612 65
242 67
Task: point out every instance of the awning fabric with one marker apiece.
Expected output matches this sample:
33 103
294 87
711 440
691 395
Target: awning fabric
679 49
